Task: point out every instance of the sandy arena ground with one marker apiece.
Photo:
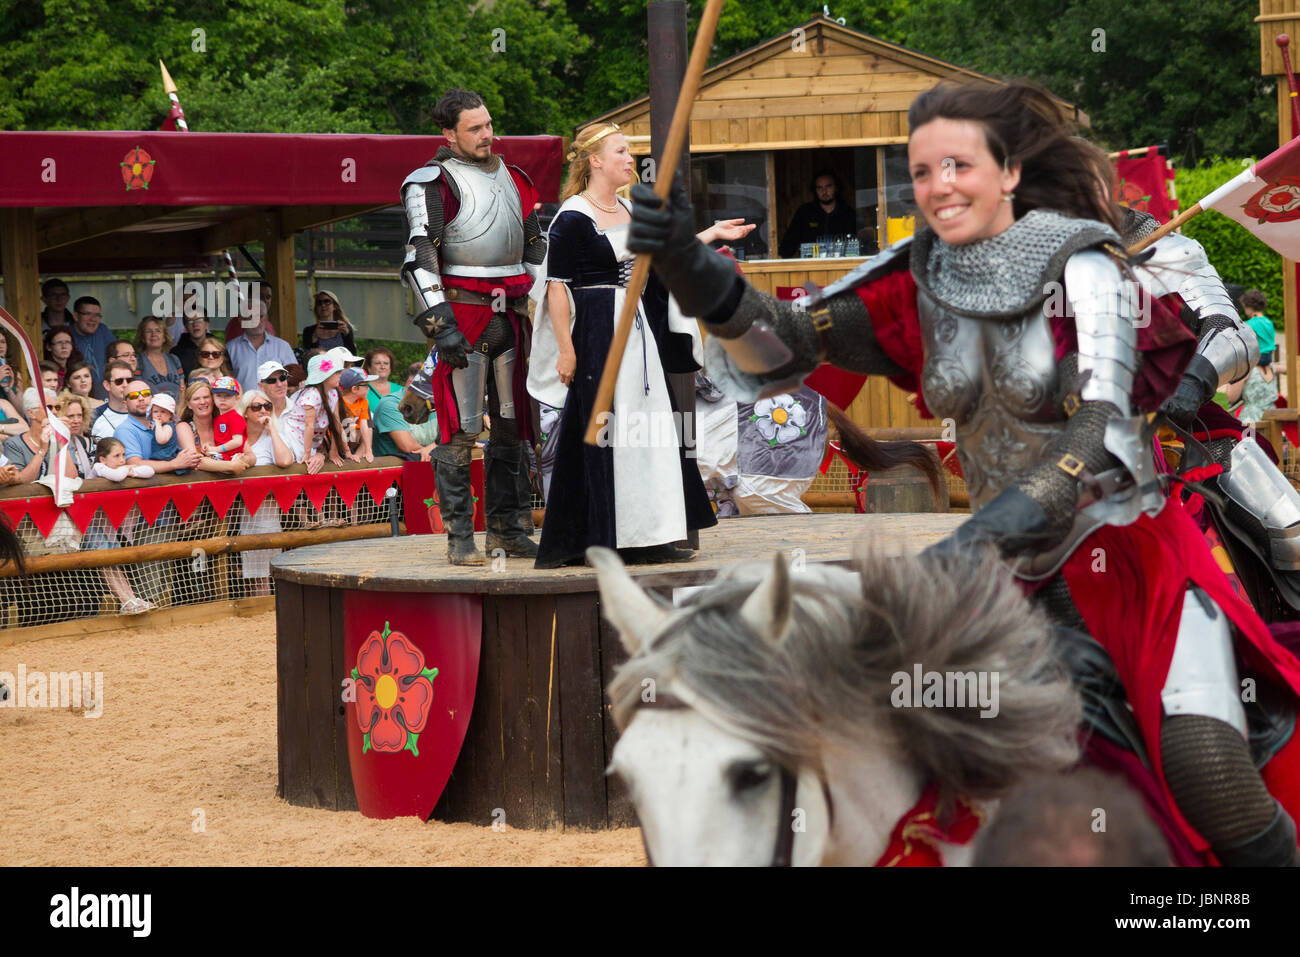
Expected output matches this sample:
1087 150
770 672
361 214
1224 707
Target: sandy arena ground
189 723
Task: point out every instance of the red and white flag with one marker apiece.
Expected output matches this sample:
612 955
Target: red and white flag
1266 199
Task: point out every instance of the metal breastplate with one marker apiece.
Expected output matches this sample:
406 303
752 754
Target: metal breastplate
997 381
487 236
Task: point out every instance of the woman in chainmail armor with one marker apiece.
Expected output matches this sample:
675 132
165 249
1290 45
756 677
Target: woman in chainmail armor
1014 314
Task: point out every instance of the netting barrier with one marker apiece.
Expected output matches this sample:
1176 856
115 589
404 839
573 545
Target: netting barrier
109 519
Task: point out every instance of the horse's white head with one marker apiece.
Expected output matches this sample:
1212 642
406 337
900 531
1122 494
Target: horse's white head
759 723
705 793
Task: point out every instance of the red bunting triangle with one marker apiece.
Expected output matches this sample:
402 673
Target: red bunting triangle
254 494
348 484
44 513
285 490
378 483
222 495
317 488
187 498
152 501
82 510
116 505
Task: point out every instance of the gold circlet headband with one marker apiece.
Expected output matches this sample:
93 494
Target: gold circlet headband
578 148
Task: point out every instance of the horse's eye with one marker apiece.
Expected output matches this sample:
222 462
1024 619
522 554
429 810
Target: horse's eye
749 776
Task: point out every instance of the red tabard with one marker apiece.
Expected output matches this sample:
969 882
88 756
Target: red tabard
473 319
1128 583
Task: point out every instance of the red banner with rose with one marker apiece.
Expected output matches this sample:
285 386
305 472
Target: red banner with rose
1146 182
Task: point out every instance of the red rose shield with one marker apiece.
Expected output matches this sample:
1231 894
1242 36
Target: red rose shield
394 692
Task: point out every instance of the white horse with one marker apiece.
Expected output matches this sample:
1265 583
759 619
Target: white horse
775 724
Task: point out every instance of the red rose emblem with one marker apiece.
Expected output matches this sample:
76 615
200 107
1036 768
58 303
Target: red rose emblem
394 692
1277 202
137 169
1131 195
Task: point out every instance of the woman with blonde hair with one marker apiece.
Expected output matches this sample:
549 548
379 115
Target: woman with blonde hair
194 430
596 495
212 358
158 366
74 411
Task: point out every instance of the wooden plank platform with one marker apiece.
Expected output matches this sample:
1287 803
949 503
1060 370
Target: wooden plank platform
418 563
540 733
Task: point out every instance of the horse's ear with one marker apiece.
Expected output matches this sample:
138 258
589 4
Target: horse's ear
767 610
632 611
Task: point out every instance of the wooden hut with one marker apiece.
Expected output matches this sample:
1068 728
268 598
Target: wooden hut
821 97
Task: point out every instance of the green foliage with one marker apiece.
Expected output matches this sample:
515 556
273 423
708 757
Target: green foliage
1185 74
1236 254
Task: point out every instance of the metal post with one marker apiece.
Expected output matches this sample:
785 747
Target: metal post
666 31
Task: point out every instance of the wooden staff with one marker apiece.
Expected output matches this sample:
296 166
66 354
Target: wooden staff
1167 228
1283 42
663 186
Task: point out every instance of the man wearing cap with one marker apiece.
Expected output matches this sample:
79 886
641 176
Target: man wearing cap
254 347
273 379
473 243
139 443
354 412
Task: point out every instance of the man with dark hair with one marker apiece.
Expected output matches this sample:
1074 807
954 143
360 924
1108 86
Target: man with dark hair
474 246
825 215
117 379
89 334
54 293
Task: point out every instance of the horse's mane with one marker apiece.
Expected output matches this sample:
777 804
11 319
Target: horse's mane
831 676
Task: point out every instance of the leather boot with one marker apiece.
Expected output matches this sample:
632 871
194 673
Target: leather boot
1275 846
456 502
505 529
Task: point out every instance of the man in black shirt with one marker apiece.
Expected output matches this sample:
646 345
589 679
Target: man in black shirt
827 215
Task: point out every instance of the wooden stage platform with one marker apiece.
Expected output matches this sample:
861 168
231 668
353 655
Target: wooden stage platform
539 736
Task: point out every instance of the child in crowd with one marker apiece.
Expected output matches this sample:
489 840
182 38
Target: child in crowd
162 412
357 430
110 463
228 428
49 379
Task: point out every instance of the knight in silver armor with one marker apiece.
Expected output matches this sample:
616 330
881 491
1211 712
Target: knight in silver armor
472 253
1263 505
1053 449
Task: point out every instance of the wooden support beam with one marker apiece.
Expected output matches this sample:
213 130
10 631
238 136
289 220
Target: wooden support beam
279 265
79 224
162 247
18 265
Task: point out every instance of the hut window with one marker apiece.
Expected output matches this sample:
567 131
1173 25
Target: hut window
900 201
731 185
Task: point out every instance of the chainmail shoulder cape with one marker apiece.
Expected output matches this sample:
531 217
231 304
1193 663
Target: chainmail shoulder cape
1007 274
1137 225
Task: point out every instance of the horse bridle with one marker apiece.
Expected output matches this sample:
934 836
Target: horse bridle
783 845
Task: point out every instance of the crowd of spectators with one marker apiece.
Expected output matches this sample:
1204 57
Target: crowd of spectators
176 399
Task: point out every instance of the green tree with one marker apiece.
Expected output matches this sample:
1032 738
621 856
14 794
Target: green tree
1184 74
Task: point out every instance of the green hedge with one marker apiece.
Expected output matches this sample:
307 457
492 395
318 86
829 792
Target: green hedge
1236 254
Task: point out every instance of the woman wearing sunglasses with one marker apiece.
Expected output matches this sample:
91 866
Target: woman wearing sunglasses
212 358
331 327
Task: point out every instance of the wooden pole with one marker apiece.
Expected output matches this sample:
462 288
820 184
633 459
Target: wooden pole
211 547
1167 228
663 186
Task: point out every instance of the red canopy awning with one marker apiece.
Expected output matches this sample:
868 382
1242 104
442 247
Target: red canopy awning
43 169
